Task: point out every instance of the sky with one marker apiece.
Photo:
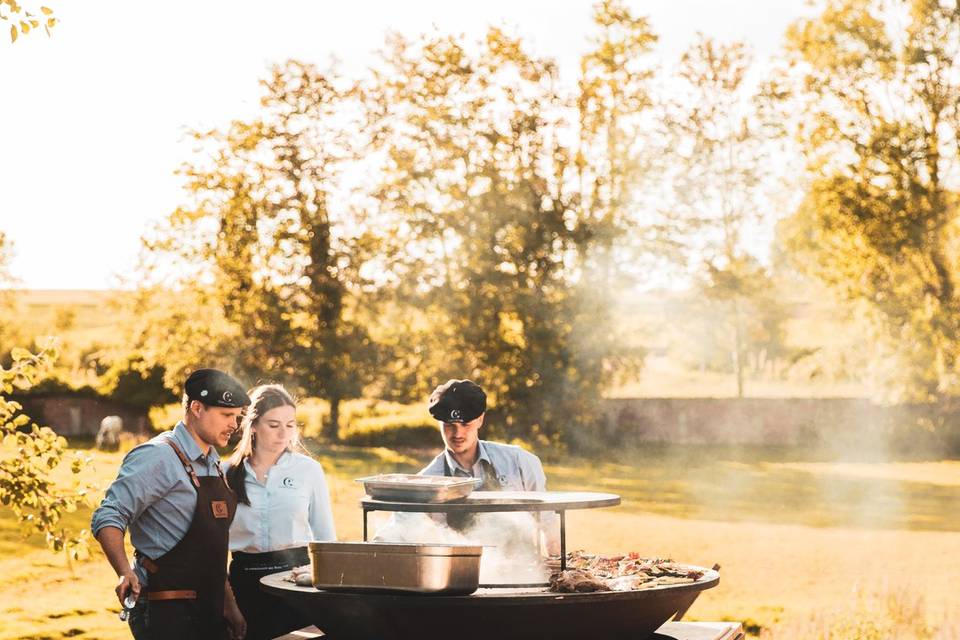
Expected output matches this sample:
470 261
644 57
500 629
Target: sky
92 119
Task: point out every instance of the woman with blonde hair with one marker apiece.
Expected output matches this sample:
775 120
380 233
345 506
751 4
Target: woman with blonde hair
283 504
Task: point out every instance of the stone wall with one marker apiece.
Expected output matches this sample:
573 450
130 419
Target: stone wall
765 421
79 415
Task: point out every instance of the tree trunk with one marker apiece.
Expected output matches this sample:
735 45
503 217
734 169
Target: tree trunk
738 347
332 427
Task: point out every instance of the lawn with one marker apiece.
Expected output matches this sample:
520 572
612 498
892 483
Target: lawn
795 534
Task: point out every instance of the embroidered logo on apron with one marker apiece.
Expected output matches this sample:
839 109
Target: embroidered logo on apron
219 509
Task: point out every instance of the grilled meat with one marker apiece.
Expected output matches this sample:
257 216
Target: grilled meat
619 573
576 581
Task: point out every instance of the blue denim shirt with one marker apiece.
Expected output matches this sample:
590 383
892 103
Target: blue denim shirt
153 496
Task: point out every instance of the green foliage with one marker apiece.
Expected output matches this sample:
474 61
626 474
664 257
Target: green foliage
366 422
751 334
31 456
283 261
878 122
720 170
506 236
132 382
22 20
52 385
484 245
390 435
388 424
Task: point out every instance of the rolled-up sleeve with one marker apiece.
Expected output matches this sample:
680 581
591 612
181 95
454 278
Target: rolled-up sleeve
321 513
144 477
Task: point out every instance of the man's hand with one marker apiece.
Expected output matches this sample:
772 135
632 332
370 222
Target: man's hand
129 583
236 625
111 540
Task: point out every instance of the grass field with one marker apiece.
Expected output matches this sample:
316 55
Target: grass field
797 537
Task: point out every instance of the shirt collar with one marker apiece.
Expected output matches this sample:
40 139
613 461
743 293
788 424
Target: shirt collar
283 461
190 447
481 456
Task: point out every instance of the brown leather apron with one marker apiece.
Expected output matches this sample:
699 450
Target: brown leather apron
195 569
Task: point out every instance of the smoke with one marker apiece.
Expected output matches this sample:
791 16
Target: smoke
510 542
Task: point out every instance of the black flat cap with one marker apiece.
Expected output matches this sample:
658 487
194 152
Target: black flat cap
458 401
215 388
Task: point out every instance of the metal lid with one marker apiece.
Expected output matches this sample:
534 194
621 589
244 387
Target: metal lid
395 548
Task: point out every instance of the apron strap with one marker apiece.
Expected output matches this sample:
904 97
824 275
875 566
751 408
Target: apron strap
491 481
223 477
187 465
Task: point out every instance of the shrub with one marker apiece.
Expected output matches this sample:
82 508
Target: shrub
413 436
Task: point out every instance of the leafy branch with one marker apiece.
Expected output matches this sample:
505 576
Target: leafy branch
30 456
23 21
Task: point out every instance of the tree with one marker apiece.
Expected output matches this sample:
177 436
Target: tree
614 151
333 354
281 260
26 483
131 382
494 238
720 174
23 21
879 105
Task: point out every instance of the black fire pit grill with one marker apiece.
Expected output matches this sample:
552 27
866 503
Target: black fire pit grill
505 614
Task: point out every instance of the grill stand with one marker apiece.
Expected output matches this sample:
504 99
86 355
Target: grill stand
499 502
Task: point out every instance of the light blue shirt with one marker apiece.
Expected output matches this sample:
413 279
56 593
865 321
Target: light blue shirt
153 495
289 509
516 469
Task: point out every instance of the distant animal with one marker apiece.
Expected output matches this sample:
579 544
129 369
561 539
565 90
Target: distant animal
108 437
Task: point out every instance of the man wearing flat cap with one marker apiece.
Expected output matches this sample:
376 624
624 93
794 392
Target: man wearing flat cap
172 496
460 408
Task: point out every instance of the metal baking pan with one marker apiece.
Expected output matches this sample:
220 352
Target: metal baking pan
407 487
405 568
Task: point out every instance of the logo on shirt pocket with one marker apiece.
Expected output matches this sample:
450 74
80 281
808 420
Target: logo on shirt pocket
288 483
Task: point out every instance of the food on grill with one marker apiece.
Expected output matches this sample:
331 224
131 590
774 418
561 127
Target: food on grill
301 576
593 572
577 581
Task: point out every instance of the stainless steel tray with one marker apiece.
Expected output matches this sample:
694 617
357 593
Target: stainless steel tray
393 567
406 487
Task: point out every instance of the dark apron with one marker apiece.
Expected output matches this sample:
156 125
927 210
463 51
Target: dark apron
490 482
268 616
185 589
